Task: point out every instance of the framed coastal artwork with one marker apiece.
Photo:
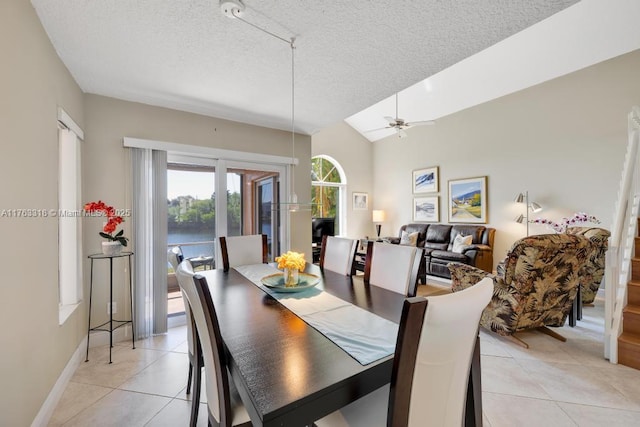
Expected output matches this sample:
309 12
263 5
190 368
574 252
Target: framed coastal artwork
468 200
425 180
360 201
426 209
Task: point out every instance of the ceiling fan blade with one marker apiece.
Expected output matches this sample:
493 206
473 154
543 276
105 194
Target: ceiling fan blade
375 130
421 123
391 120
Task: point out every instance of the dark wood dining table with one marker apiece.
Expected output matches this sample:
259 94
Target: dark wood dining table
286 372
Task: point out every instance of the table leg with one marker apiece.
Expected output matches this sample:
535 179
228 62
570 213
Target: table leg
133 329
110 306
89 323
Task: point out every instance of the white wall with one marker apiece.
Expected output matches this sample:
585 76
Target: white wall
33 83
563 141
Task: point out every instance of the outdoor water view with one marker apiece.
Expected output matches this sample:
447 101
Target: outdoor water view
191 210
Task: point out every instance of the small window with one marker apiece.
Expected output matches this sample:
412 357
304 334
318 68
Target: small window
69 222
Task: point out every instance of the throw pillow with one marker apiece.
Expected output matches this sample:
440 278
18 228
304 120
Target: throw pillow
409 239
460 242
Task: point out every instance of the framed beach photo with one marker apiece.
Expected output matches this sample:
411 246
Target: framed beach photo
360 201
426 209
425 180
468 200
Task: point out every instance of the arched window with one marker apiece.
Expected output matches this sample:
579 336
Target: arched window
328 185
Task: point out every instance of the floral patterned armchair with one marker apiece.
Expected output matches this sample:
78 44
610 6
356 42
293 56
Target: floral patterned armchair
591 276
538 287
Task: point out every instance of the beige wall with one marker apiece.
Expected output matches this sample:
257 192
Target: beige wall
35 349
106 161
33 83
563 141
354 154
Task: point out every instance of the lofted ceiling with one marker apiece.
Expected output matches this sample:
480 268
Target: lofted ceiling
350 55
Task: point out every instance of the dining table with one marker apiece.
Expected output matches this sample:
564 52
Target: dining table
287 372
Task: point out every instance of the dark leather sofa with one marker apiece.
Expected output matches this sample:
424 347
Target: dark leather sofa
437 241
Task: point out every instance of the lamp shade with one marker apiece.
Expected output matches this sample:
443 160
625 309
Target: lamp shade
535 207
519 198
378 216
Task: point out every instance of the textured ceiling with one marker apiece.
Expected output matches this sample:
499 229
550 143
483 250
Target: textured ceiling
186 55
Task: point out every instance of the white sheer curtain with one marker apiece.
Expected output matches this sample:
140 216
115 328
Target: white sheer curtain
149 179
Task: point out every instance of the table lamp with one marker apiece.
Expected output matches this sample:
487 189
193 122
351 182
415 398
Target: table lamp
378 219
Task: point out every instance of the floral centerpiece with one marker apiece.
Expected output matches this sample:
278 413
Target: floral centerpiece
561 227
116 241
291 263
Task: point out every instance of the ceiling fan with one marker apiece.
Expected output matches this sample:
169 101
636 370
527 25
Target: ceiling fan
400 124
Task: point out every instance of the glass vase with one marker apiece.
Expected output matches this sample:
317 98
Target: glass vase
291 277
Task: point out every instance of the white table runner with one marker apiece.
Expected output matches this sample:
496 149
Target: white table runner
362 334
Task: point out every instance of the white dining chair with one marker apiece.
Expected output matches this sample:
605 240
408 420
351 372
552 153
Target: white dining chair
337 254
393 267
241 250
432 361
175 257
224 405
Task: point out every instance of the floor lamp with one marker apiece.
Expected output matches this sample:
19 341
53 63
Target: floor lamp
533 207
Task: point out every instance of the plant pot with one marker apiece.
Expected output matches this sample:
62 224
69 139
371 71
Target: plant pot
291 277
111 248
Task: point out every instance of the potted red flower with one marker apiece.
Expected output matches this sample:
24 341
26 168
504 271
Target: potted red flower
115 242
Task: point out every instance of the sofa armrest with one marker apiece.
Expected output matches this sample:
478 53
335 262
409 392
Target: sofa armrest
480 256
476 248
394 240
464 276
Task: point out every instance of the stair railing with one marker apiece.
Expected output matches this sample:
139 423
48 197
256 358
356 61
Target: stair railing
621 242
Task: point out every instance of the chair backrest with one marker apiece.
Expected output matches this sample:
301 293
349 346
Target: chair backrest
592 274
241 250
544 271
393 267
175 256
337 254
216 377
433 357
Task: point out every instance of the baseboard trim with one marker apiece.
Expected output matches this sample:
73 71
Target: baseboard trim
50 403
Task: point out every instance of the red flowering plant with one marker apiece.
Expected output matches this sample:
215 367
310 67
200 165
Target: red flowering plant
561 227
113 220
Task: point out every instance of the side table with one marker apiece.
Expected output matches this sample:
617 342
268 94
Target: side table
103 326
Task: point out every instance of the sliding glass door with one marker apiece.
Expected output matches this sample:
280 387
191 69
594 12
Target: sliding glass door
196 216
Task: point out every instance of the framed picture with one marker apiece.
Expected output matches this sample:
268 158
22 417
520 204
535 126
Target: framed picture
425 180
468 200
360 201
426 209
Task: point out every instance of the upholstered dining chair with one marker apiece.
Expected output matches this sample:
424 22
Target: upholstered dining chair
538 287
337 254
434 351
240 250
224 405
393 267
175 257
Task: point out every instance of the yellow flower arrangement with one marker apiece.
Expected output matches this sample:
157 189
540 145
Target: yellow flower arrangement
291 260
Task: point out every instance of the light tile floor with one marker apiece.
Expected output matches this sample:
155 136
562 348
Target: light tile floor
550 384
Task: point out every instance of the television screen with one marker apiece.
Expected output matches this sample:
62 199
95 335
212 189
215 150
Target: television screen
321 227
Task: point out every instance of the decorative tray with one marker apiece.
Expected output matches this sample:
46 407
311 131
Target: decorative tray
276 282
